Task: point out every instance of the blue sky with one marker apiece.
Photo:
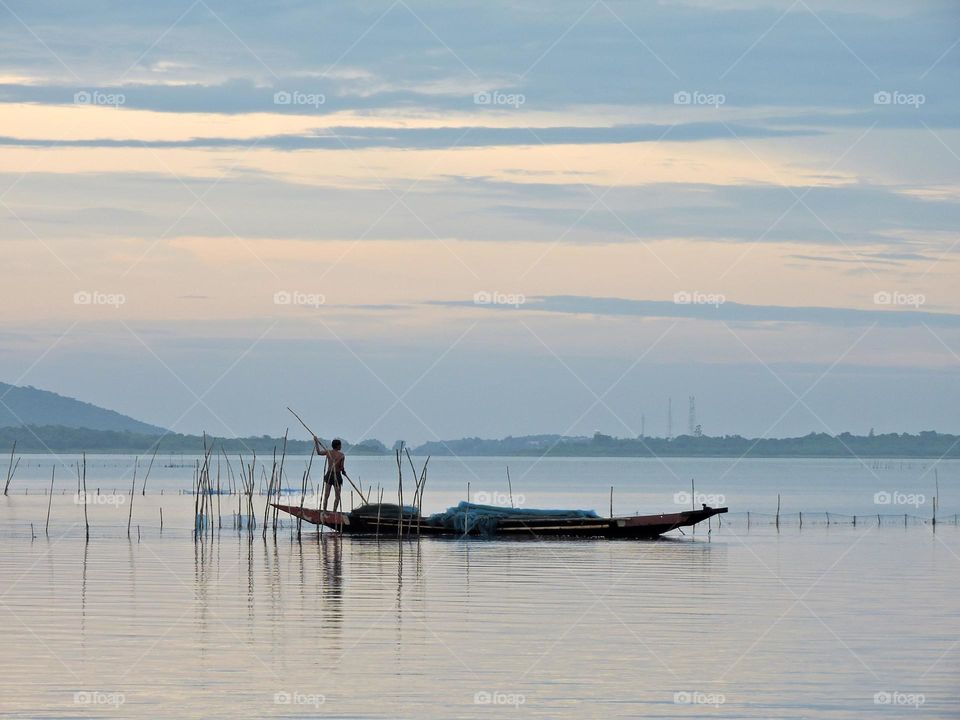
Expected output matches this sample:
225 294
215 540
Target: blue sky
430 220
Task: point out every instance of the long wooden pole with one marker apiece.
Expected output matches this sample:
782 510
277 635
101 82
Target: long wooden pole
315 437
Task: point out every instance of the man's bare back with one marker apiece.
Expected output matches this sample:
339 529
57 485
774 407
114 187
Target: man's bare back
333 472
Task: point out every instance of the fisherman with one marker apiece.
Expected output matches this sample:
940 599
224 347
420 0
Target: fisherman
333 472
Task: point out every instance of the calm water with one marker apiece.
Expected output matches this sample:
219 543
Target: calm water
839 620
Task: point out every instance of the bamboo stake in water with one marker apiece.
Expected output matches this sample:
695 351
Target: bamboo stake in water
400 491
143 490
283 457
196 499
133 488
266 507
303 494
416 490
53 472
936 496
219 493
510 486
86 522
423 484
379 506
11 468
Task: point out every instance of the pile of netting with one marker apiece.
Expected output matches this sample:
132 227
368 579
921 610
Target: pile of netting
482 519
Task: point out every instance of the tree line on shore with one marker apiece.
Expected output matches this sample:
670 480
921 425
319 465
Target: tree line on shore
927 444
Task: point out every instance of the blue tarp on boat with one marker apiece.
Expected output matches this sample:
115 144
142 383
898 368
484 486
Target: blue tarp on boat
470 517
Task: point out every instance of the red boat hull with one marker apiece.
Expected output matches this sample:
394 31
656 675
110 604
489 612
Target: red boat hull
636 526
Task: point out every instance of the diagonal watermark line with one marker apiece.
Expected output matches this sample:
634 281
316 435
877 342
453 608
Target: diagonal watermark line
43 555
39 359
598 400
399 199
601 599
40 40
420 577
214 615
936 463
840 39
939 59
359 39
798 198
416 382
640 40
759 39
797 599
954 244
20 379
556 42
158 40
40 240
800 398
240 40
956 642
33 634
201 200
200 398
439 39
598 199
396 200
172 426
579 379
399 399
29 429
610 210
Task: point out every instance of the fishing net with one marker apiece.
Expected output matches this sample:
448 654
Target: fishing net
482 519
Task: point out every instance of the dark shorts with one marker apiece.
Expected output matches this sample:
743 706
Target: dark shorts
333 478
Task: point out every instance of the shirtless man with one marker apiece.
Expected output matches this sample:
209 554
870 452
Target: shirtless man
333 472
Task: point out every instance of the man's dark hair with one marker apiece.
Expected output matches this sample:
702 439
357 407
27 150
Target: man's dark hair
336 444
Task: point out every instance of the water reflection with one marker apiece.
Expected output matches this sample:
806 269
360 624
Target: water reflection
416 628
331 562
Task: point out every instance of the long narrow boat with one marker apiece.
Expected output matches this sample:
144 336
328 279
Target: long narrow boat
390 520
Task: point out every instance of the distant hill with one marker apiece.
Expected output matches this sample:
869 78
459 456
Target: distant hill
59 439
927 444
30 406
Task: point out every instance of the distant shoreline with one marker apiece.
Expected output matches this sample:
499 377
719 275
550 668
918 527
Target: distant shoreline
552 456
927 445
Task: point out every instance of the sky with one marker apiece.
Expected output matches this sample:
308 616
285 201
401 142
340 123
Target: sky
431 220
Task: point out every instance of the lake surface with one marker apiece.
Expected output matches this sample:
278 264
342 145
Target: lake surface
740 619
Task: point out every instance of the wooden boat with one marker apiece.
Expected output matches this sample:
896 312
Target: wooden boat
388 520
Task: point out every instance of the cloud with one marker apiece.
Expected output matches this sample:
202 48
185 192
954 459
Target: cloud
722 311
378 54
342 138
254 204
